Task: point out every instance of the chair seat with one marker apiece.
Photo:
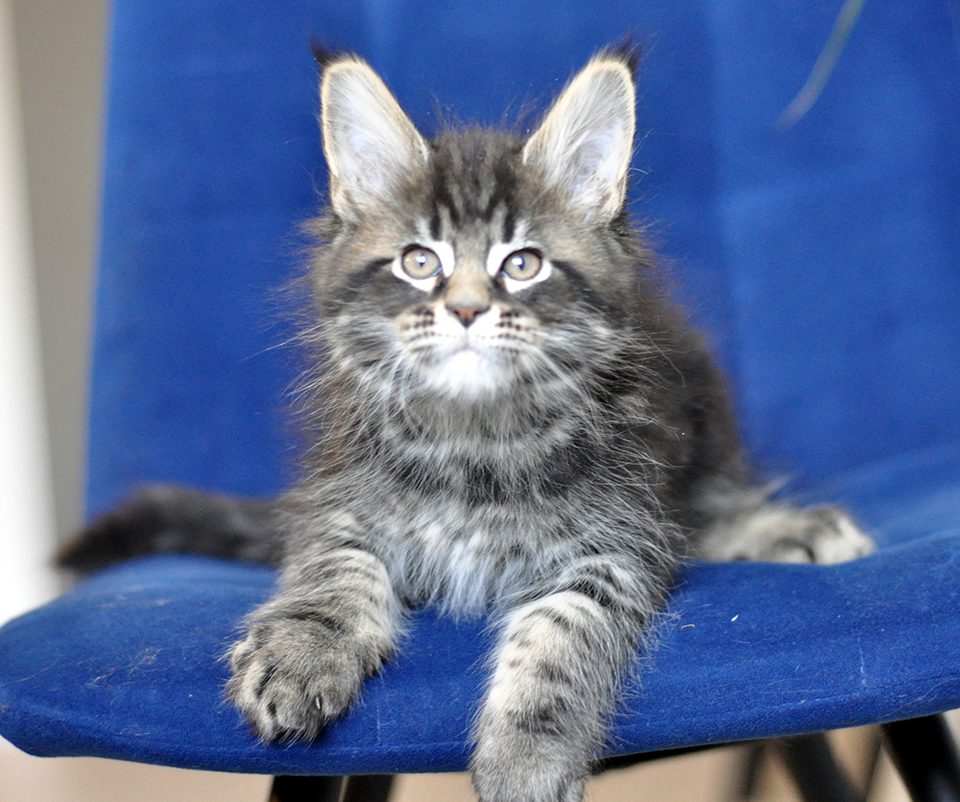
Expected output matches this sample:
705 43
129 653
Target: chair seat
129 664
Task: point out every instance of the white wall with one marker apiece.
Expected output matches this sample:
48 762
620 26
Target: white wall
61 59
51 109
27 529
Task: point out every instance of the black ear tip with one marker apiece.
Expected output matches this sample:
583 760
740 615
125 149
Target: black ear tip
324 55
628 51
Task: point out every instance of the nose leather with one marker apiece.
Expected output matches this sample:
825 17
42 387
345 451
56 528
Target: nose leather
467 295
466 314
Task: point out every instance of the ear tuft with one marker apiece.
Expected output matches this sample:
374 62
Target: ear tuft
370 144
324 55
627 51
585 143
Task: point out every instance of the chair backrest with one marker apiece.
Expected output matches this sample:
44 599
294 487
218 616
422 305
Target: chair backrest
824 260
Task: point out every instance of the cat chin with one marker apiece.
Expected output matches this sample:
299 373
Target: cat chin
468 375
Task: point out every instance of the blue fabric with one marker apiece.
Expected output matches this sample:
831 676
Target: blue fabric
824 261
130 664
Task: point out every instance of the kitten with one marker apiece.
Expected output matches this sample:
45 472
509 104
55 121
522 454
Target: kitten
508 417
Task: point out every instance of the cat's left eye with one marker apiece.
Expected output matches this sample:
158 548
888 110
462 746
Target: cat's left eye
522 265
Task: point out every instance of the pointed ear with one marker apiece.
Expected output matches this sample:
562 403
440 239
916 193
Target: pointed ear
585 143
369 143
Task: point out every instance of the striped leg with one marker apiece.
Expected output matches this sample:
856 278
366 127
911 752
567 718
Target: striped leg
557 669
308 649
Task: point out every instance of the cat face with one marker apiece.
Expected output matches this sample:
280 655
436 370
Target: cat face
479 263
468 337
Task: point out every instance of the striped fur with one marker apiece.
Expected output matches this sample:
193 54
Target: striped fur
546 445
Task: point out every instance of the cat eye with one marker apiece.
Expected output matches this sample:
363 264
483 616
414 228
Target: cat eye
420 263
522 265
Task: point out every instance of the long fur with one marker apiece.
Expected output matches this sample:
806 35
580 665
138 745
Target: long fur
506 416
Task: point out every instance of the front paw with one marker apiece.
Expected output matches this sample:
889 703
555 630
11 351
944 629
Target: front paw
292 675
529 755
531 769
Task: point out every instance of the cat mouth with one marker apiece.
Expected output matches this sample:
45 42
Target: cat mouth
468 371
466 347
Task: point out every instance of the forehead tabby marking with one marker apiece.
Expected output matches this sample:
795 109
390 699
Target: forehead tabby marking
474 180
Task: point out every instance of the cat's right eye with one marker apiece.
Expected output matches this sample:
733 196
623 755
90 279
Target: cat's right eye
420 263
522 265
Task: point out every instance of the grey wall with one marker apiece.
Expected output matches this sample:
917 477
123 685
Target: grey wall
61 56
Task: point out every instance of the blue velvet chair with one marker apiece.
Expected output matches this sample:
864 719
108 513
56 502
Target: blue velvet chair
824 261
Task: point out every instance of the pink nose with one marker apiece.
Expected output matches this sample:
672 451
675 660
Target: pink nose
467 314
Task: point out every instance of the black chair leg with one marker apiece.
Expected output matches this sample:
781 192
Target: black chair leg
358 788
368 788
815 770
292 788
747 774
924 752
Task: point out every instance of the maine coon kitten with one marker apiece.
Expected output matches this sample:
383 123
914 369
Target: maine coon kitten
507 416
